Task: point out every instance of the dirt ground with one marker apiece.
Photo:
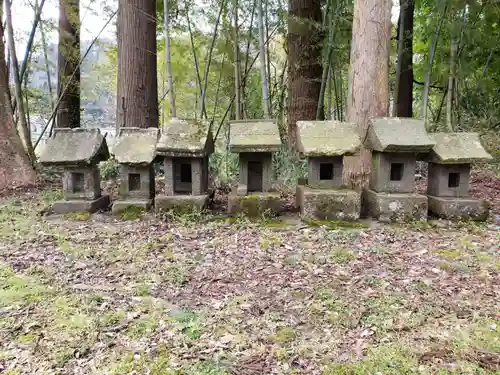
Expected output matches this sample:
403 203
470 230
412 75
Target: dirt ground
208 295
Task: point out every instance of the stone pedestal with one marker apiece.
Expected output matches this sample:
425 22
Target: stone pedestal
255 204
180 203
323 204
67 206
458 208
395 207
122 205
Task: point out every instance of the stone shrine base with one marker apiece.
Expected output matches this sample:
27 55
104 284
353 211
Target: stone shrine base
323 204
255 204
458 208
395 207
122 205
75 205
180 203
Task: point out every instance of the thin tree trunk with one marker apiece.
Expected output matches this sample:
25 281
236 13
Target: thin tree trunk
262 51
451 85
195 58
268 56
368 91
137 91
237 63
403 93
430 63
329 93
25 130
168 59
68 114
15 168
47 66
247 57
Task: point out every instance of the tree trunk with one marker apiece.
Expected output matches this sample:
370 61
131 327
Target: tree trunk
263 66
68 112
451 85
137 91
403 103
237 64
15 168
368 91
304 62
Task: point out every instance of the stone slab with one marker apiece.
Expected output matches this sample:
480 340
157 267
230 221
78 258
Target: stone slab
458 208
122 205
185 138
457 148
327 138
136 146
255 204
394 207
180 203
329 204
64 207
254 136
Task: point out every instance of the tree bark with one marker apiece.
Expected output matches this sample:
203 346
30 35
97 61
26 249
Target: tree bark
262 55
68 113
368 90
15 168
304 62
237 64
137 87
403 103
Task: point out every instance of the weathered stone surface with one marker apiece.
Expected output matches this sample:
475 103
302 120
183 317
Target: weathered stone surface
64 207
137 181
457 148
394 207
325 204
254 136
81 182
380 177
255 204
122 205
251 179
180 203
439 184
136 146
394 134
185 138
458 208
327 138
75 147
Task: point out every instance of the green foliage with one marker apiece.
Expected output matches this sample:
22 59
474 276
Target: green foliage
109 169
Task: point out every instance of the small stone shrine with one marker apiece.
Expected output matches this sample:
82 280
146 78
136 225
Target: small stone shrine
79 152
395 143
185 147
135 150
325 143
254 141
449 174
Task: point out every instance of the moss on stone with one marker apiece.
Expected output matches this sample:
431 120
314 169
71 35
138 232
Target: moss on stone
334 224
131 213
78 216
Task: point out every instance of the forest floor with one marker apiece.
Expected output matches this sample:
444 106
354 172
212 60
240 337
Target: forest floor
93 294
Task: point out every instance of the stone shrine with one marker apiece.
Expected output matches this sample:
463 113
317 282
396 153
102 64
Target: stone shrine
395 143
325 143
135 150
78 151
185 147
254 141
449 174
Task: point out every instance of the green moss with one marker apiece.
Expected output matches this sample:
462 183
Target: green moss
334 224
342 255
449 253
131 213
258 205
284 335
78 216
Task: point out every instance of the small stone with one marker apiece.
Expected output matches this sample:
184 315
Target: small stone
493 327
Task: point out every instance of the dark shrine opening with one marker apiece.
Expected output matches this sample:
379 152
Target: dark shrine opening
182 178
134 181
326 171
397 171
78 182
453 180
255 172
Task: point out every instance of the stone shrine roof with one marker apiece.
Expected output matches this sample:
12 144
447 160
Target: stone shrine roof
327 138
396 134
457 148
189 138
254 136
136 145
78 146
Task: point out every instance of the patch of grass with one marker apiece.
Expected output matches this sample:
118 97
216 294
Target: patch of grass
270 239
190 323
78 216
382 312
334 224
18 289
284 335
342 255
112 318
143 290
175 274
449 253
184 215
158 364
291 260
131 213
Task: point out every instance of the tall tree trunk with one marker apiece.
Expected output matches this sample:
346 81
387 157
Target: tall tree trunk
304 62
68 113
403 103
23 123
237 64
168 61
15 168
137 91
451 85
263 66
368 90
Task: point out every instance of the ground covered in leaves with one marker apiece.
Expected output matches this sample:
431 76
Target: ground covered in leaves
201 295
